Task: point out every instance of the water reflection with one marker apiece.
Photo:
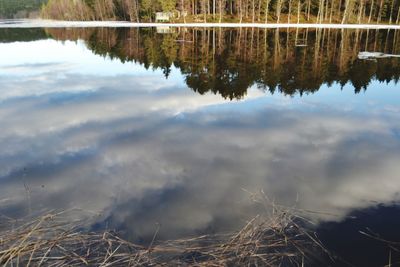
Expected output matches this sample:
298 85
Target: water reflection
228 62
364 232
79 130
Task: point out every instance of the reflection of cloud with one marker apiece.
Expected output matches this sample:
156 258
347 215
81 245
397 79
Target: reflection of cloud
61 111
139 156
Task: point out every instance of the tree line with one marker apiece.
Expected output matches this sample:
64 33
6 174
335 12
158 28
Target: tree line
230 61
257 11
19 8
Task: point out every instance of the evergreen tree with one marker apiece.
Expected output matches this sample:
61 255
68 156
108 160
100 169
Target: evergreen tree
167 5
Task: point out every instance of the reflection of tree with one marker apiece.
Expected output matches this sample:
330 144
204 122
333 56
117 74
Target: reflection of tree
8 35
229 61
361 74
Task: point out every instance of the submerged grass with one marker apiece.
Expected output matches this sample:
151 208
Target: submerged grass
52 240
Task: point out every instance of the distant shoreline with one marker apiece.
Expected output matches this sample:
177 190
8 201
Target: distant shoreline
38 23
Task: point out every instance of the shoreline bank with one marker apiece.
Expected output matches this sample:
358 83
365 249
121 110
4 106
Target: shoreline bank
38 23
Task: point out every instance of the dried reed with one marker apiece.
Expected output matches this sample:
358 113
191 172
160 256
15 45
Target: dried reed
52 240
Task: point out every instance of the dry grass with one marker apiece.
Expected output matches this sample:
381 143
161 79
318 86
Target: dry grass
51 240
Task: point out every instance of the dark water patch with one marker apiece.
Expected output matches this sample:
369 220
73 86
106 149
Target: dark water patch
369 238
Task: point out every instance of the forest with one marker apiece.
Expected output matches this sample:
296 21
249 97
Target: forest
14 8
255 11
228 62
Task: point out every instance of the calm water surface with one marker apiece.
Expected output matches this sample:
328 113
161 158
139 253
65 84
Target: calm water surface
183 128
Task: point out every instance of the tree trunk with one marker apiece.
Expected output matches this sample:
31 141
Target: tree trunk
346 7
322 7
246 8
370 11
278 11
137 10
380 12
220 11
266 11
214 3
298 11
253 10
183 11
204 10
326 10
398 16
340 8
360 10
240 11
391 12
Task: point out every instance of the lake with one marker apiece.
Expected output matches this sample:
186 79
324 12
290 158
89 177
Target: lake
198 130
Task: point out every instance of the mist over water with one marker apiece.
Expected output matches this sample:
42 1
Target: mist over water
181 127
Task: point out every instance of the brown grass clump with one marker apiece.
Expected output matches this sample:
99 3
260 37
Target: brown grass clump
52 241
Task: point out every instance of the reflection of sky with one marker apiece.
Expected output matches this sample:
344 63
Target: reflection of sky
38 57
83 131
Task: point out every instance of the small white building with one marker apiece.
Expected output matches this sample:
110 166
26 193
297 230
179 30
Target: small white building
167 16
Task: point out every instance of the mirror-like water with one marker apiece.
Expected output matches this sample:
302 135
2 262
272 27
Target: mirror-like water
181 127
